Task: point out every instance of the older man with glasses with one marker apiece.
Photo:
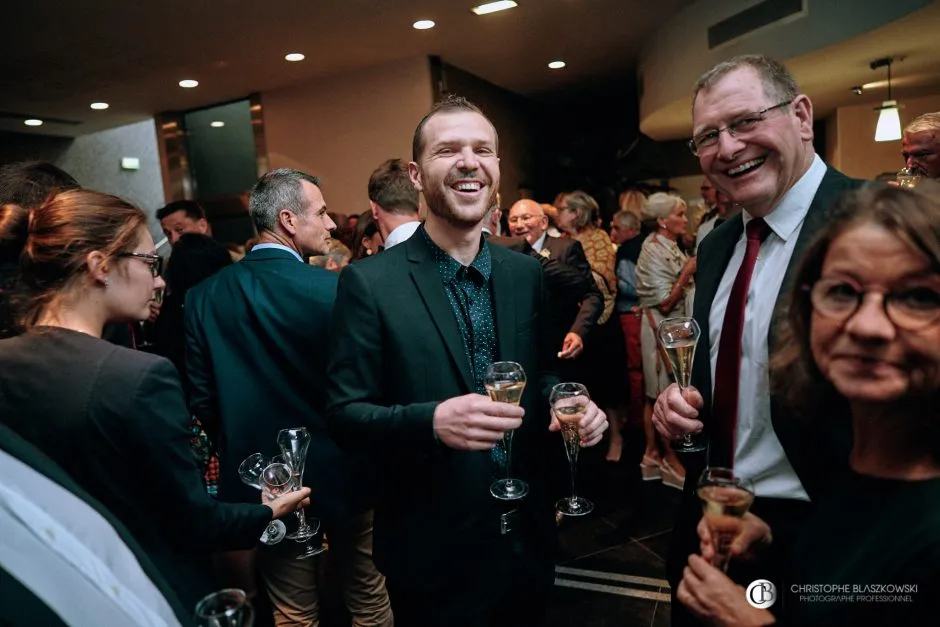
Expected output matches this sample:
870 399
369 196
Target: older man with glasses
753 135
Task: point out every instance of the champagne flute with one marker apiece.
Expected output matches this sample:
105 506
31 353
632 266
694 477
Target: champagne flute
280 479
294 444
907 178
225 608
678 338
569 401
250 471
726 498
504 382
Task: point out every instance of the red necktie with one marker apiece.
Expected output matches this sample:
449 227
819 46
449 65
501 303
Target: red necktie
728 368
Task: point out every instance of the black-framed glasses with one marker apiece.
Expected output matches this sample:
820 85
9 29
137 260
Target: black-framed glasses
155 261
913 308
739 128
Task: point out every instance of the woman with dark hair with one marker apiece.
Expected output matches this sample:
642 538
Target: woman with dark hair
113 418
861 346
366 236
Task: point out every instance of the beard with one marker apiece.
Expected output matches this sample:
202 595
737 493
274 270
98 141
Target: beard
459 215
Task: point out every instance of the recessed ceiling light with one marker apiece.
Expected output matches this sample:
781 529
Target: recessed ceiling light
217 124
424 24
188 83
99 106
295 56
32 122
556 65
493 7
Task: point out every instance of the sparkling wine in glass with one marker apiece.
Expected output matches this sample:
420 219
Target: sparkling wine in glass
726 498
907 178
569 401
294 443
679 337
225 608
505 382
280 479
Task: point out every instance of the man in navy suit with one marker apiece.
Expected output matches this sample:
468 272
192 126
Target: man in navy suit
753 135
256 335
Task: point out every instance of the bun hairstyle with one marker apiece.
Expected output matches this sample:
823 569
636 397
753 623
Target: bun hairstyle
54 240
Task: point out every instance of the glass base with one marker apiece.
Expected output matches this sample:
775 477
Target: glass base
509 489
305 533
574 506
310 551
692 443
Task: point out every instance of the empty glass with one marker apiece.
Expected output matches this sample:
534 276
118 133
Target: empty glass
294 443
250 472
225 608
279 479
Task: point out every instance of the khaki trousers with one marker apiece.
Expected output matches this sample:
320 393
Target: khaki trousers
292 584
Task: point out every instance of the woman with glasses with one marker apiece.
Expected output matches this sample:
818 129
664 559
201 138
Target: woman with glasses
113 418
862 345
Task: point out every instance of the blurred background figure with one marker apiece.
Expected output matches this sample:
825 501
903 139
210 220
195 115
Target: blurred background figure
337 258
394 202
367 239
182 216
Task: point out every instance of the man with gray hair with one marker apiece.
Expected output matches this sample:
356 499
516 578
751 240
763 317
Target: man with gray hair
752 131
256 336
920 145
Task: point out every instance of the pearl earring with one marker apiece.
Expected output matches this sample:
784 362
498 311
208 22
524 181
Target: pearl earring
106 282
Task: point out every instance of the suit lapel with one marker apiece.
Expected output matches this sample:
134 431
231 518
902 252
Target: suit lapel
505 307
427 280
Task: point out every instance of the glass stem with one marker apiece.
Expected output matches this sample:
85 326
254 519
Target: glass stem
573 463
301 519
507 439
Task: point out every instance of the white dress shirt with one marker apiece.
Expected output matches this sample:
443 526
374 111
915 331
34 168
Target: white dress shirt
401 233
69 556
758 454
540 243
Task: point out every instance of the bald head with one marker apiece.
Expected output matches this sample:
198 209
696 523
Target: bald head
526 219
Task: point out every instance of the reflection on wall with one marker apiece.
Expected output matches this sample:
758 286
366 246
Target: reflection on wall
95 161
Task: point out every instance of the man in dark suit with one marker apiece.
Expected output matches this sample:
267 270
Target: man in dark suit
753 134
256 362
573 320
414 330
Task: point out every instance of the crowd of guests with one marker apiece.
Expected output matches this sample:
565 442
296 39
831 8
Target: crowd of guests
818 299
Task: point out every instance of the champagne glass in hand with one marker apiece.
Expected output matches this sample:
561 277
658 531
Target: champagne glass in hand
504 382
294 443
225 608
250 472
725 497
678 338
280 479
569 402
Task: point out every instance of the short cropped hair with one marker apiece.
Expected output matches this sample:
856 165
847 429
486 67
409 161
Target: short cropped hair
779 84
659 205
276 190
627 219
193 209
927 122
391 188
449 104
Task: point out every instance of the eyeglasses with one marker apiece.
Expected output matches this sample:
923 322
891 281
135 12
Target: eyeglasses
747 123
155 261
912 309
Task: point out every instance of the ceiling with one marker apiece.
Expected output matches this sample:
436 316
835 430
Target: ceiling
828 75
61 56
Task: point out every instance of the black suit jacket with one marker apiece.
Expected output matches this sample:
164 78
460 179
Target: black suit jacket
115 420
256 351
814 451
396 353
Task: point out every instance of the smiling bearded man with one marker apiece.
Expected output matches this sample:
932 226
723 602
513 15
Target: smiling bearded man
414 331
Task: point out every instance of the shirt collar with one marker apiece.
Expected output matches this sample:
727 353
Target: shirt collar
540 242
278 247
400 233
450 267
793 207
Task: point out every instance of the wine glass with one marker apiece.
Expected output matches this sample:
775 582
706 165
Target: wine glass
569 401
726 498
907 178
225 608
504 382
679 337
280 479
250 471
294 443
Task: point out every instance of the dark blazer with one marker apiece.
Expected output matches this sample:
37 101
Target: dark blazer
813 453
256 338
115 420
396 353
20 606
